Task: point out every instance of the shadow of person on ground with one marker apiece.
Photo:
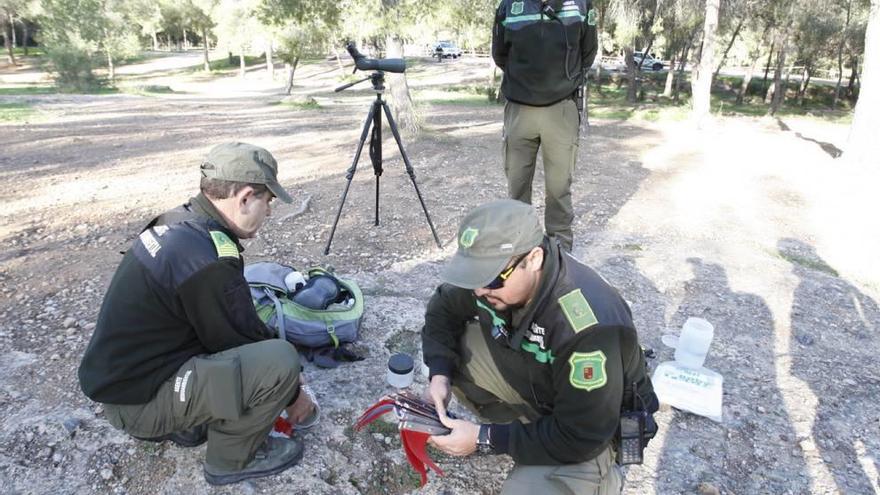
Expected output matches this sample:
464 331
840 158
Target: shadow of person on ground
834 346
830 149
750 451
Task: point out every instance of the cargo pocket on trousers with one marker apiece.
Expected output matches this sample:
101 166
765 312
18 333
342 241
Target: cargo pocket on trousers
221 384
584 478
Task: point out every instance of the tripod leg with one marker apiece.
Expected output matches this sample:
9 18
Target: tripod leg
350 174
409 170
376 149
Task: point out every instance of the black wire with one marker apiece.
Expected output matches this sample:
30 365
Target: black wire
549 12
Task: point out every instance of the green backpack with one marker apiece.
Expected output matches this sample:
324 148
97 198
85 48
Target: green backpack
334 320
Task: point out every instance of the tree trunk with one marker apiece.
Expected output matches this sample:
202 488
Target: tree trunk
335 42
25 35
864 133
155 37
701 85
111 70
241 62
7 40
802 89
401 102
729 45
747 80
270 63
851 87
670 77
778 88
12 23
207 60
767 68
676 88
291 68
632 75
840 55
185 41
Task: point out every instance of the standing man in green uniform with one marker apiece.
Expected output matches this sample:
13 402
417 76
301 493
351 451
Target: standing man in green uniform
541 348
178 352
545 48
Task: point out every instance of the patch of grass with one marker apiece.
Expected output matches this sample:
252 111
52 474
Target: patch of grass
609 101
147 90
222 64
309 104
454 98
27 90
33 51
611 113
810 263
16 112
403 341
385 428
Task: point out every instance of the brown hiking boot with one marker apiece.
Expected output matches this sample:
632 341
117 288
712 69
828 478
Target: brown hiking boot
273 456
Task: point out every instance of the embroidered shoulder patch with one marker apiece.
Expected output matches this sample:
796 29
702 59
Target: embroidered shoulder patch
587 370
577 310
516 8
224 245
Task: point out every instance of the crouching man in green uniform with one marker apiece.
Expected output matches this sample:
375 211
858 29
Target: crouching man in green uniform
178 352
540 347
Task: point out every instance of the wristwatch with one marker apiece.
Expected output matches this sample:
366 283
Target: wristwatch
484 443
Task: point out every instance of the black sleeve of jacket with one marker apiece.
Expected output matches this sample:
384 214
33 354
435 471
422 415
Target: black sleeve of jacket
499 46
218 305
448 311
636 371
589 42
583 422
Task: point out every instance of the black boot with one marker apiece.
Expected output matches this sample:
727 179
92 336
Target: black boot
274 455
192 437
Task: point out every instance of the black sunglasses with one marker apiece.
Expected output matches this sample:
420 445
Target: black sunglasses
498 282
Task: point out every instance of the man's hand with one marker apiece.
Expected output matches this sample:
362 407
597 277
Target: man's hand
301 409
461 441
438 391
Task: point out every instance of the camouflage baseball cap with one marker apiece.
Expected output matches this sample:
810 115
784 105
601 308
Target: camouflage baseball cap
488 237
241 162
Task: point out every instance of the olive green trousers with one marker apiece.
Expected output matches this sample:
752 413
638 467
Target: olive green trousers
238 393
555 130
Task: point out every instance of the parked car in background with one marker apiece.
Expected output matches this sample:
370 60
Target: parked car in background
649 63
446 49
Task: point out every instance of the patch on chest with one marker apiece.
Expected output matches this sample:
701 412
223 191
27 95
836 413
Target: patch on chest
577 310
587 370
516 8
535 344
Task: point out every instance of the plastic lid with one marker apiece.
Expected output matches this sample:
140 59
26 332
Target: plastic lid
400 364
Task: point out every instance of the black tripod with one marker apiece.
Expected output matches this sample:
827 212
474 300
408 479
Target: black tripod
374 119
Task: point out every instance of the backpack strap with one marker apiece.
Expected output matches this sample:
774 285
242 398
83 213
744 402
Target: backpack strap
279 312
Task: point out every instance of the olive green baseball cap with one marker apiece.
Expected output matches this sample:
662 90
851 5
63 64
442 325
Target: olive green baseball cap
242 162
488 237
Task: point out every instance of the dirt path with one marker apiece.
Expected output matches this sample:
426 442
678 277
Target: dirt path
751 225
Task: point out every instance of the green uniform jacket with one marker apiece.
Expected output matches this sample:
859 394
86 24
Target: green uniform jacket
543 56
179 292
569 353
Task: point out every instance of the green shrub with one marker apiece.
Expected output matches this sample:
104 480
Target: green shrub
72 69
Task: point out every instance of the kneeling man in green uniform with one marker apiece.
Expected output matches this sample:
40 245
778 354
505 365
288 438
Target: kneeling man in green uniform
178 352
540 347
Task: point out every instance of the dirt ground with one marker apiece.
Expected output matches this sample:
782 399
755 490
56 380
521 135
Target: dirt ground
750 224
